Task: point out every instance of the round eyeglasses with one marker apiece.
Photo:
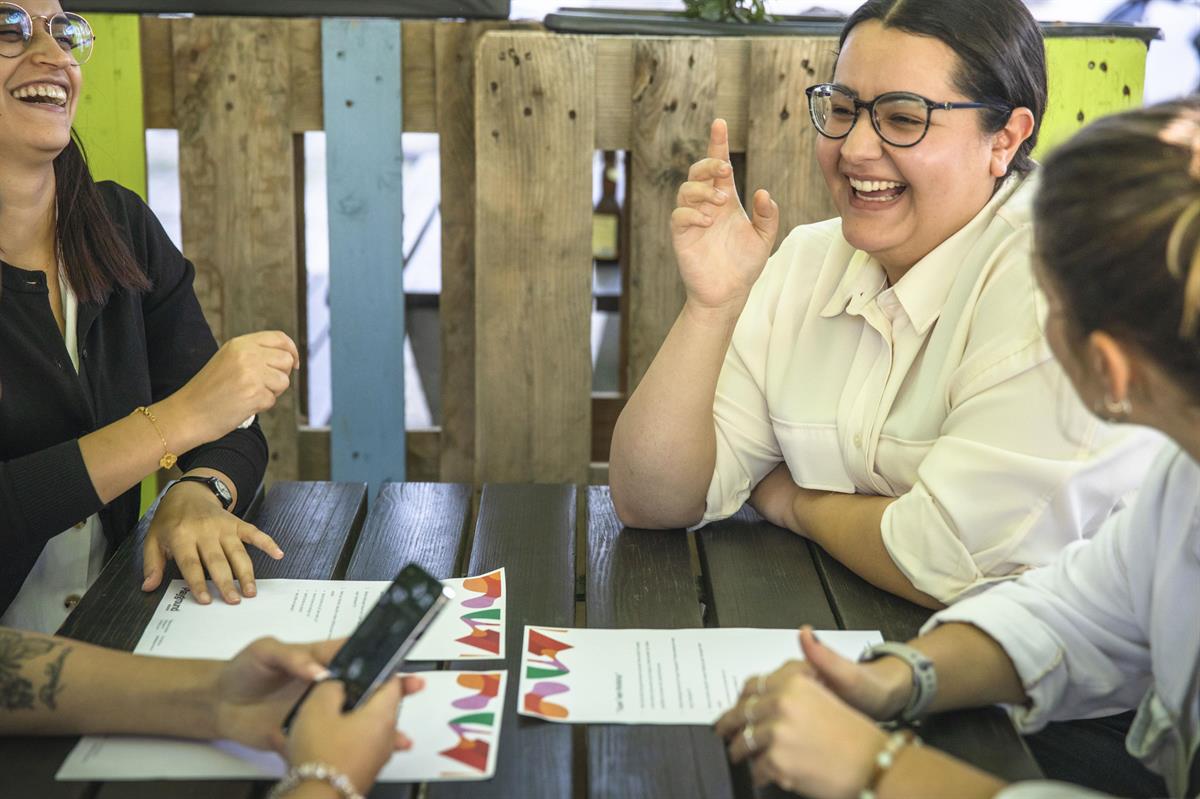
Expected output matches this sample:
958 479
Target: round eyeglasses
71 32
900 118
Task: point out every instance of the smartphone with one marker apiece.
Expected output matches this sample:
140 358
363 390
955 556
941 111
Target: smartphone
378 646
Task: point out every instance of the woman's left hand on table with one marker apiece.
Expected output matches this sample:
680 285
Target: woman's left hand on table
799 735
192 528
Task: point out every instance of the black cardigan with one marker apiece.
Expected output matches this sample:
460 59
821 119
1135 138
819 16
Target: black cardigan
134 349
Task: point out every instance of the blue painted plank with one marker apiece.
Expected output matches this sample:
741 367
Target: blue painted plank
364 156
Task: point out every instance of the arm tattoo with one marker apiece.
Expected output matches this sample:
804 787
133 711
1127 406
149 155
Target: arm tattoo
16 690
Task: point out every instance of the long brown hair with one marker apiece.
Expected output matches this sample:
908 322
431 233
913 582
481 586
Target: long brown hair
1118 232
96 256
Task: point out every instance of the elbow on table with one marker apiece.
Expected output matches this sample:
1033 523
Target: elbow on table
641 515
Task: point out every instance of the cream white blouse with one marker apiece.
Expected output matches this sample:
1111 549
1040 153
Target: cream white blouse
940 390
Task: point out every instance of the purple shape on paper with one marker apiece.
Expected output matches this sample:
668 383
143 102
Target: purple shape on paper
484 601
546 688
476 702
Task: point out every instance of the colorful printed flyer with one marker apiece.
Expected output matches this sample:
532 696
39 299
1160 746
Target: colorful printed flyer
471 627
454 724
655 676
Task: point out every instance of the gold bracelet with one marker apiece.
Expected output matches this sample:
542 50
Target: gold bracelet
896 743
167 460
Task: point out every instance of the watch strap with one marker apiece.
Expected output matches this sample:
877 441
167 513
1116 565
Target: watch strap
226 499
924 676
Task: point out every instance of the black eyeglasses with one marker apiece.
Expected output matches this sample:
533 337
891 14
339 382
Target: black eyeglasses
70 31
900 118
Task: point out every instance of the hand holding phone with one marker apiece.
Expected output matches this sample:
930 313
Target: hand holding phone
378 646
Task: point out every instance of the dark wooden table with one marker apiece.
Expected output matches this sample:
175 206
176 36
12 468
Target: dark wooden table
569 563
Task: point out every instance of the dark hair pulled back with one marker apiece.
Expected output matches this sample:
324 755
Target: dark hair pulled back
1002 58
1118 232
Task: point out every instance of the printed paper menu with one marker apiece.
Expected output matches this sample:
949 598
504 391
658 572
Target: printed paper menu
454 724
654 676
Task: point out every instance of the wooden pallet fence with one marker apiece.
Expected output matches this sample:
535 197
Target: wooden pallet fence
654 97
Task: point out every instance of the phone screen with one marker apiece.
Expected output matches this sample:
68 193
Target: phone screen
379 644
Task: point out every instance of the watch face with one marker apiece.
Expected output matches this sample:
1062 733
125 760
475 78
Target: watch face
222 490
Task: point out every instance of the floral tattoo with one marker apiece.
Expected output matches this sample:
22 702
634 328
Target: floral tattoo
16 689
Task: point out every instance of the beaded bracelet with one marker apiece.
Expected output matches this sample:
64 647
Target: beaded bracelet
315 771
897 742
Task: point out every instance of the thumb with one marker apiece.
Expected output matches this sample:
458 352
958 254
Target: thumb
765 216
835 671
153 564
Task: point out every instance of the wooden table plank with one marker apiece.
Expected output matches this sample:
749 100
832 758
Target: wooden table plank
314 524
422 523
643 579
529 530
760 575
984 737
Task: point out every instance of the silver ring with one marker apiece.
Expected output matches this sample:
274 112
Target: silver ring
749 710
761 685
748 738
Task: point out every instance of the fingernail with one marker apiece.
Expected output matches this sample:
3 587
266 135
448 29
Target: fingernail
146 584
721 195
232 598
251 589
204 597
277 554
320 673
404 741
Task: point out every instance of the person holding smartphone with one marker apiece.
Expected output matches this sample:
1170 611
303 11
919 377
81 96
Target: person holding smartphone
56 686
108 369
1111 623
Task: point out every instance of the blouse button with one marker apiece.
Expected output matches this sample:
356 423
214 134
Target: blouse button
858 440
81 525
71 601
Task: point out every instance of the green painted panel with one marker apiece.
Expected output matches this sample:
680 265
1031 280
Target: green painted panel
1089 78
110 119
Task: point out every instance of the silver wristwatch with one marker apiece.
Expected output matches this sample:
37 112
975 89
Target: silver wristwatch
924 677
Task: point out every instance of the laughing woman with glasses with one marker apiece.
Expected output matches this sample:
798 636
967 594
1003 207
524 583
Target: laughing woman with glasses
108 369
882 384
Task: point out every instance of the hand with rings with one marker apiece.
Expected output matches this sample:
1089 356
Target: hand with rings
795 732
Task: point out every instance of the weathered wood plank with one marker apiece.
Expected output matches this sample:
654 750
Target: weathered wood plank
232 104
108 117
534 132
422 523
643 579
674 102
364 155
781 143
760 575
529 530
419 73
454 54
158 73
422 444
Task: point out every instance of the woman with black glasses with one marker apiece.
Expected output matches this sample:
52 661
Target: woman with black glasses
108 369
1111 623
881 384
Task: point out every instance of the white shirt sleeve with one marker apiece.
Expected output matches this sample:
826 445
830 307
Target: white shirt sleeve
1020 468
747 449
1047 789
1076 630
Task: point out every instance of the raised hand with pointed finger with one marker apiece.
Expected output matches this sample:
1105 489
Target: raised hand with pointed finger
720 249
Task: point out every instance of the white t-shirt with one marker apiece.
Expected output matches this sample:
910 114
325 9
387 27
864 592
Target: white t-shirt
940 390
1111 624
71 560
